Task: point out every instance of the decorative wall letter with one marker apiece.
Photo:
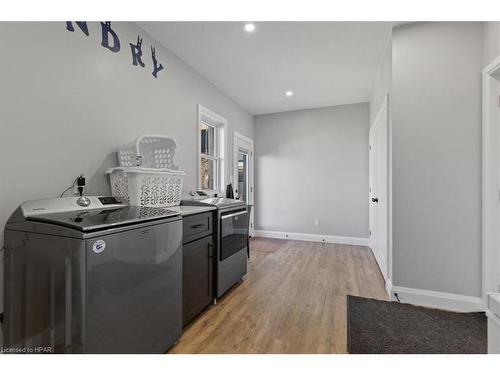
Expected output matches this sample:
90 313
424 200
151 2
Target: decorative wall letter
106 30
156 67
108 33
82 25
137 52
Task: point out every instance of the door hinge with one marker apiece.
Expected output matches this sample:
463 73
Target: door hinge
251 225
499 100
251 189
370 147
370 232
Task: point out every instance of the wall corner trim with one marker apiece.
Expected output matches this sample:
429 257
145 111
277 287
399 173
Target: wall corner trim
439 300
356 241
389 288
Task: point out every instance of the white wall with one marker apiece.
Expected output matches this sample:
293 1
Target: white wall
67 104
436 130
313 164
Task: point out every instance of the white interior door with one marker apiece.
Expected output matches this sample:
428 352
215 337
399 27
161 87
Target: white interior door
243 173
491 202
378 189
491 180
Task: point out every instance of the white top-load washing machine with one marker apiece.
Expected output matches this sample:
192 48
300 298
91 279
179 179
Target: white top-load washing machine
101 279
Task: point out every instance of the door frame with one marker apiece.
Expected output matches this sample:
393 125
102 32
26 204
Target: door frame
388 261
490 180
251 191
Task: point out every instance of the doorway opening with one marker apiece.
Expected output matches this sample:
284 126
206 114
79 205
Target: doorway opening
243 174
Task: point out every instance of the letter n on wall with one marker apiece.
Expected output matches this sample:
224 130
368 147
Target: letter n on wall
81 24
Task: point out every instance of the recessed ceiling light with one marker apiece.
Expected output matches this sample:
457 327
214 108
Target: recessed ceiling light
289 93
249 27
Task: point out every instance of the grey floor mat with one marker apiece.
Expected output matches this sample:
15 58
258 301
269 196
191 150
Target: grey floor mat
375 326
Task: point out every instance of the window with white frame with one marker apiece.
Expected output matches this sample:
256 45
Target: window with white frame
211 131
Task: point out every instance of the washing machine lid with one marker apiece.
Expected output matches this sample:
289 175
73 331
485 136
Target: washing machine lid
93 220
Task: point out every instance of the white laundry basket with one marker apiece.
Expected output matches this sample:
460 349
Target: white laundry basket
149 151
147 186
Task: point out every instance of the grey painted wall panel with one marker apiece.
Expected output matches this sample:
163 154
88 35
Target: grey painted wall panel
382 84
436 129
491 41
313 164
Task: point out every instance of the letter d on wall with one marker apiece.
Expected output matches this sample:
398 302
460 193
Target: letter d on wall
106 31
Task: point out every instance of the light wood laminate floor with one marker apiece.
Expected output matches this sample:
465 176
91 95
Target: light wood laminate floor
293 300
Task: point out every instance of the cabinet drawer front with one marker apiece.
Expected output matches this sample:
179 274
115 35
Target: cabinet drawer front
196 226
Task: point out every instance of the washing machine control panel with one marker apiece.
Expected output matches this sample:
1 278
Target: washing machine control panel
67 204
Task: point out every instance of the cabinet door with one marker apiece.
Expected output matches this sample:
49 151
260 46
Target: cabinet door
197 276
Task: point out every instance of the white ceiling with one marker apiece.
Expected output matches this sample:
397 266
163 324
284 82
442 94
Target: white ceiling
323 63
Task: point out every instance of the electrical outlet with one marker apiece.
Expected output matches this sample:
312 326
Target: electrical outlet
316 222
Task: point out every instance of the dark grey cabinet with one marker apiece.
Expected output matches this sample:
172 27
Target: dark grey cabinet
197 265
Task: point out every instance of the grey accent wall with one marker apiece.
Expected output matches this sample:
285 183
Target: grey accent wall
382 84
436 130
313 164
67 104
491 42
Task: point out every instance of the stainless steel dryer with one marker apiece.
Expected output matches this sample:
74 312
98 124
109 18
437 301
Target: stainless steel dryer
102 279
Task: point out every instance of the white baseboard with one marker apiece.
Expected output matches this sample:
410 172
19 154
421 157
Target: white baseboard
438 300
357 241
493 332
